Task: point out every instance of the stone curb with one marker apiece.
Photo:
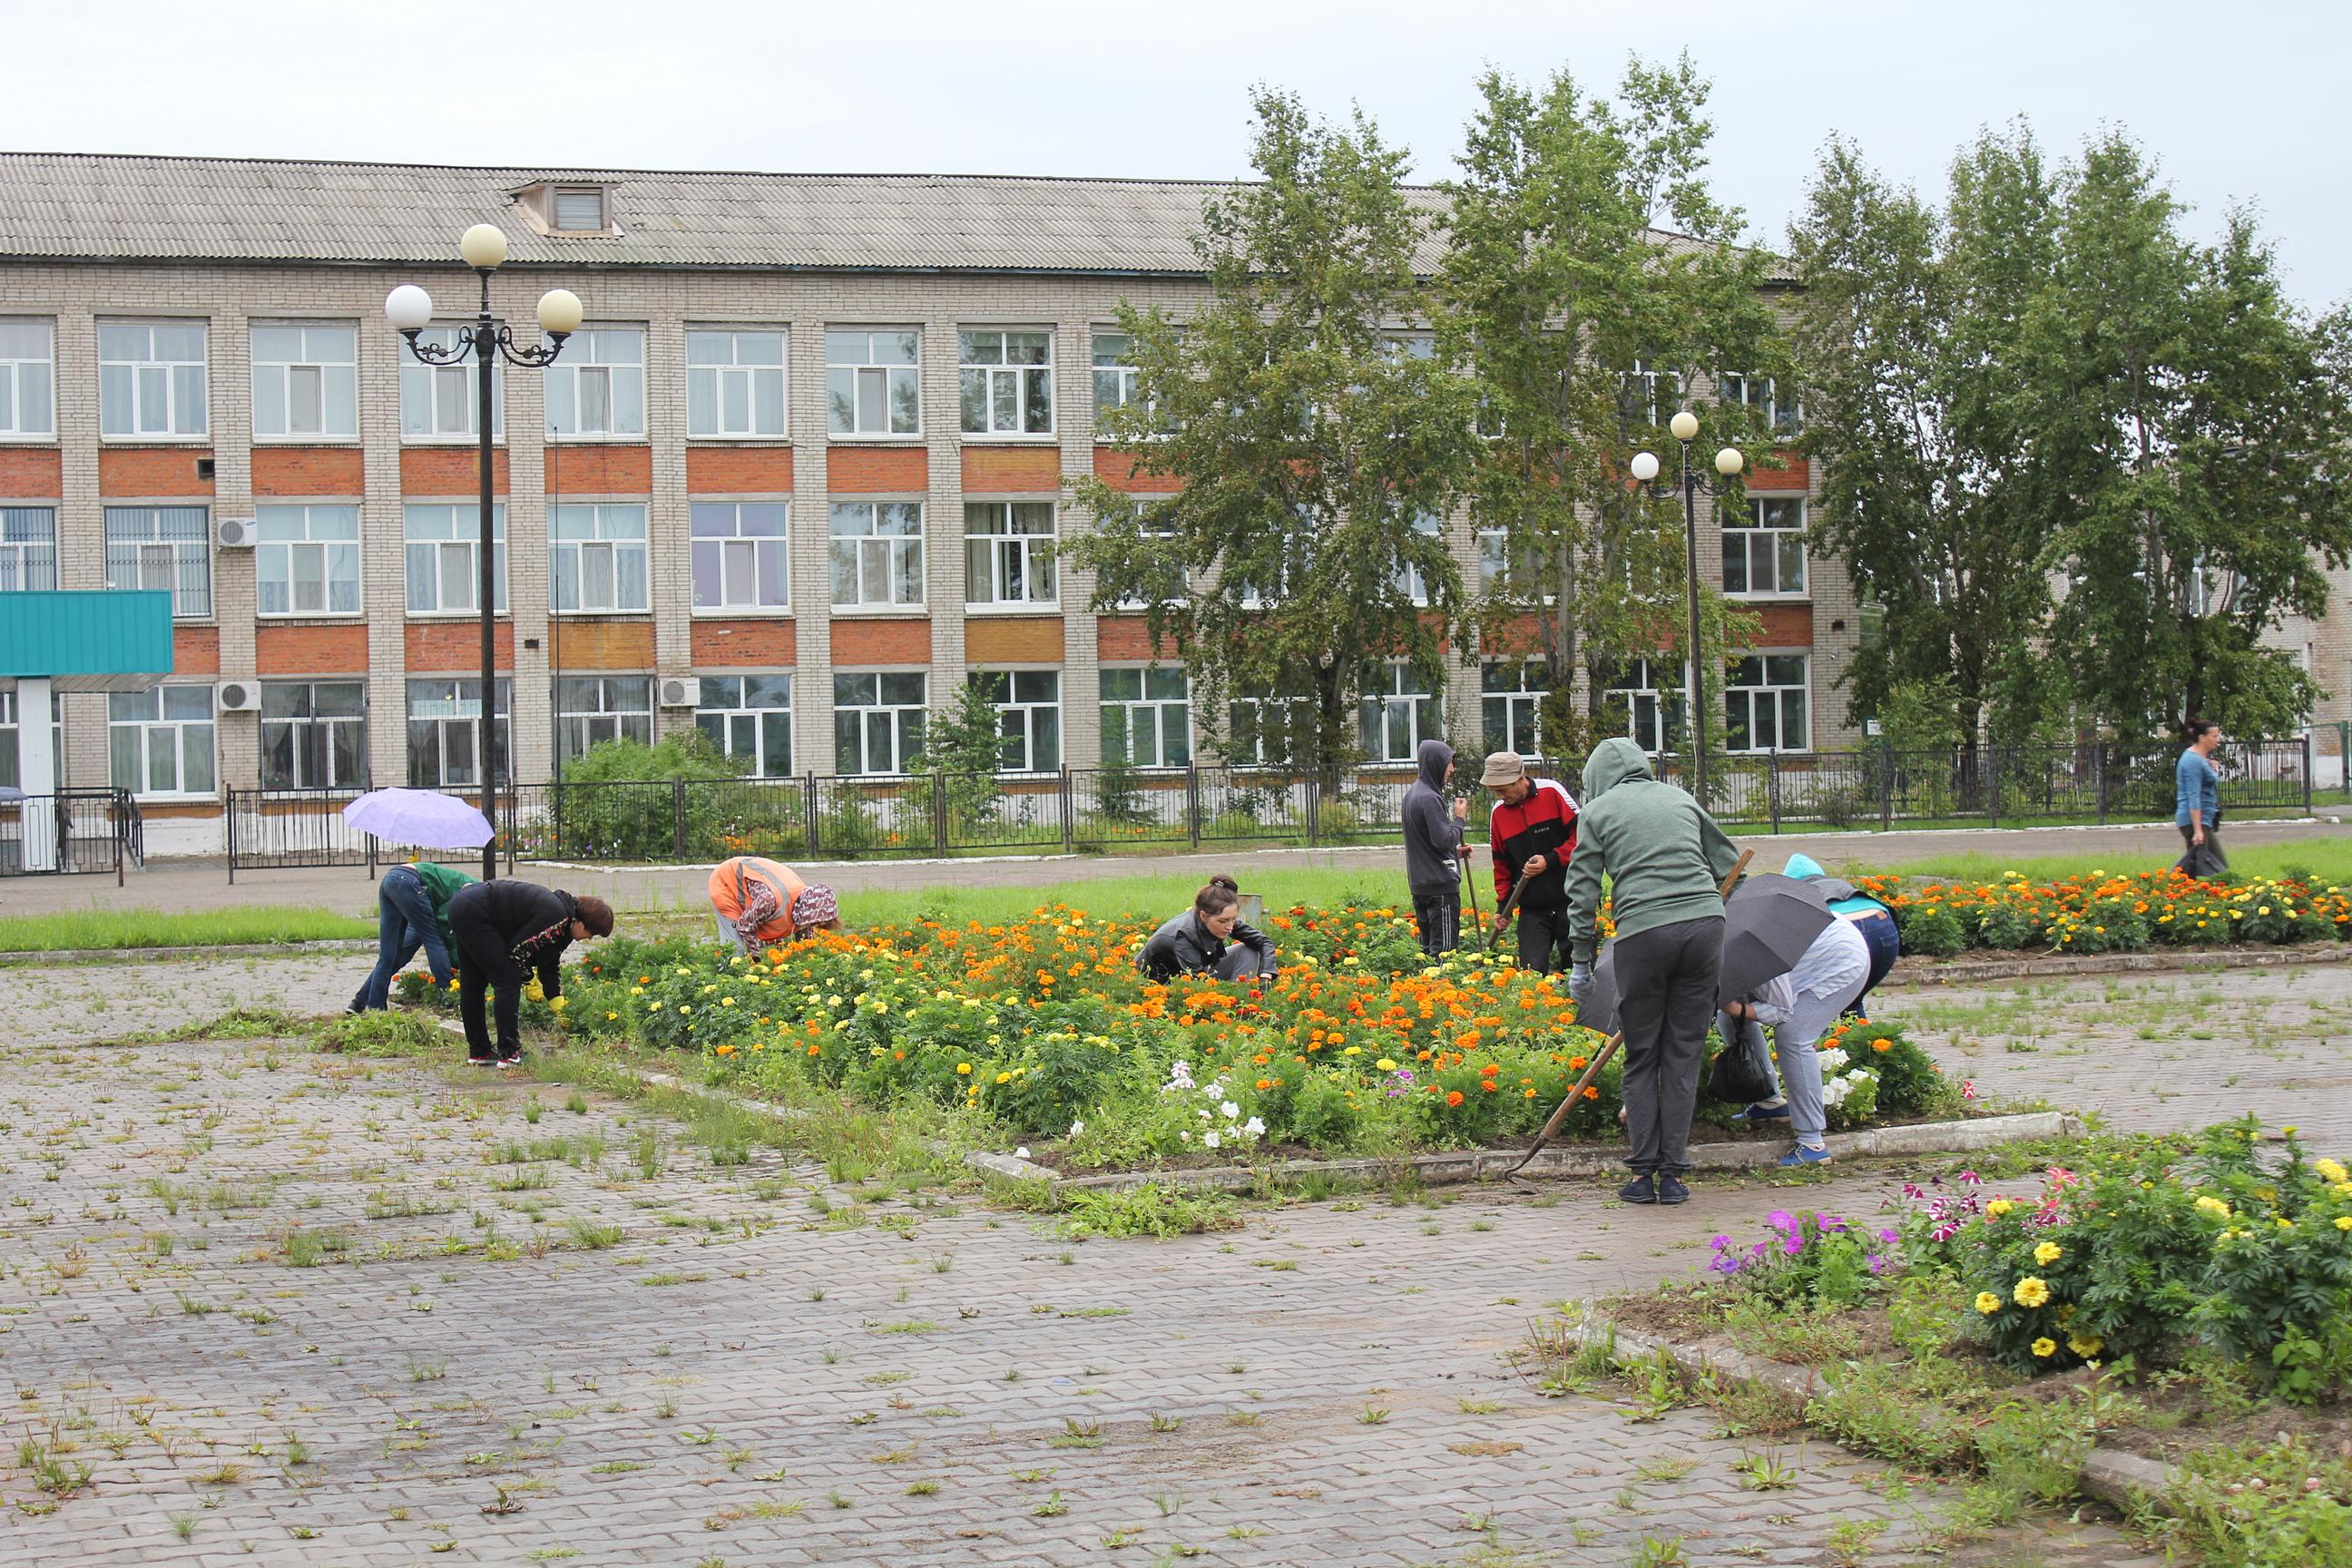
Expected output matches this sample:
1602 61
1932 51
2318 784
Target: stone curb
329 944
2122 1480
1487 1164
1966 972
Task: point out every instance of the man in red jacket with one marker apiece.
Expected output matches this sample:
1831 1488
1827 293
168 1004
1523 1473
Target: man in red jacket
1532 832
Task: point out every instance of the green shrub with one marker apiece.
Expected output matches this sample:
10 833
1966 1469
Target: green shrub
1930 930
623 800
2277 1505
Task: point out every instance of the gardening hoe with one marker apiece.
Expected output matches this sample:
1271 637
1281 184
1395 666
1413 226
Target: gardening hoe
1600 1058
1503 916
1470 877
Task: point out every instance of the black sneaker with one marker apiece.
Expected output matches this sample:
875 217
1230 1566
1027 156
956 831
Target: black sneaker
1640 1190
1671 1191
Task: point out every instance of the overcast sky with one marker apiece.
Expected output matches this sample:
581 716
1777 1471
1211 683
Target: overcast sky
2234 100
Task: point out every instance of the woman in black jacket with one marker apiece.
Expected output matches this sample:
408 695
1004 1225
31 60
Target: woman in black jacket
503 930
1194 942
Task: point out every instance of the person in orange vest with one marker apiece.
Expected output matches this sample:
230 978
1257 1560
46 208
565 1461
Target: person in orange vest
760 904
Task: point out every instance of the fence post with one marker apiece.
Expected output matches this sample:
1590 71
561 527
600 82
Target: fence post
1069 822
228 804
2307 772
1772 784
2099 777
940 814
1314 808
808 800
1192 802
678 818
1887 786
1992 784
558 789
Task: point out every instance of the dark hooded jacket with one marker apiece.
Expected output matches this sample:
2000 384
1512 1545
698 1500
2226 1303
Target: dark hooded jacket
1664 856
1432 837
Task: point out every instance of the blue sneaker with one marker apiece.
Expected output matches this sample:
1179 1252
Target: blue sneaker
1767 1112
1800 1155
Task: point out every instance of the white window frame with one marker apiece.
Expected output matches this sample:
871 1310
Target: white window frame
1496 567
598 194
1152 527
745 729
851 372
275 561
171 547
1029 383
616 531
437 400
1422 712
758 385
1117 383
333 384
184 738
1775 687
1160 717
155 393
1765 534
1246 715
1519 706
349 772
1411 583
1640 398
616 707
582 376
1028 717
1658 727
28 549
902 724
868 555
27 379
1762 392
457 717
10 738
438 538
740 563
1009 563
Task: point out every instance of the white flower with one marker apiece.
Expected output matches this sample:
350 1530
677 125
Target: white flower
1076 1128
1254 1127
1186 1134
1022 1152
1204 1115
1216 1090
1833 1060
1210 1139
1232 1112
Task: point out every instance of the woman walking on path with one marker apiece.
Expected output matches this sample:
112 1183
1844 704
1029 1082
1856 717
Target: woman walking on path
2198 787
412 902
504 928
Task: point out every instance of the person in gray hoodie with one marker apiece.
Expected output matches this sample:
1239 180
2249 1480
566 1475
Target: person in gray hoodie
1433 850
1666 859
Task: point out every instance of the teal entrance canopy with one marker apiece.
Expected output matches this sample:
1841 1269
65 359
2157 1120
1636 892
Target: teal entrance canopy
87 640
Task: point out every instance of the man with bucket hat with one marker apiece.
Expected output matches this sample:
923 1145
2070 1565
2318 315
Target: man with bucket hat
1532 833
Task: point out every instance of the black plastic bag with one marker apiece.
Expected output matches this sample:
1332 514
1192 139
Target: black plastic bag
1742 1073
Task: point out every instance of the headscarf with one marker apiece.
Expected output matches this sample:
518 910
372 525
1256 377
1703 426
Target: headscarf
760 902
816 906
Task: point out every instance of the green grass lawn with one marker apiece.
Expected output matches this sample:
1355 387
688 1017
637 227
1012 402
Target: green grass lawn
2328 859
152 928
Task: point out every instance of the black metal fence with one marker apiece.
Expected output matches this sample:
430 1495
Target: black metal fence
814 816
73 831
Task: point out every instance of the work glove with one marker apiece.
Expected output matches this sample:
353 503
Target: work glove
1580 980
533 990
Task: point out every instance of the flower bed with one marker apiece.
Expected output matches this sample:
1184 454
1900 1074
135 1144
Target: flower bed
2110 914
1044 1029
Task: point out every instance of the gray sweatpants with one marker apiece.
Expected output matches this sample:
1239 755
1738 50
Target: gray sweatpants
1797 1043
1666 998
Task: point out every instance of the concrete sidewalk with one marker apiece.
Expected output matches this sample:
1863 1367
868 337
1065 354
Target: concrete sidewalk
205 885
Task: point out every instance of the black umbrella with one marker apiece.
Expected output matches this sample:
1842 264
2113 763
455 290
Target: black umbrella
1767 923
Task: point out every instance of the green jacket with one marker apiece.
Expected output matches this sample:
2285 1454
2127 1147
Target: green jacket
441 885
1664 858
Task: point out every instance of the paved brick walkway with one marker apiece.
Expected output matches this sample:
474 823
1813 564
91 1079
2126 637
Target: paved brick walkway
299 1309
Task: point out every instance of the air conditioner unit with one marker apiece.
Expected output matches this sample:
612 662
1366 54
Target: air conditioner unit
236 532
237 697
680 691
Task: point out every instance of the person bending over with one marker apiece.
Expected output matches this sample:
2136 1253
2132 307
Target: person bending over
760 904
1799 1008
1207 938
505 929
413 905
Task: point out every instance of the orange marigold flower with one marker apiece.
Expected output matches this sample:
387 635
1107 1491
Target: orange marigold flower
1453 1097
1592 1093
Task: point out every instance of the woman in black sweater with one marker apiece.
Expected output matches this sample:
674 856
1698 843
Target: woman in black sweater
505 928
1194 942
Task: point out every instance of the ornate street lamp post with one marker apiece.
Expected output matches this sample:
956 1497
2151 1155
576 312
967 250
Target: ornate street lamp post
1727 464
410 310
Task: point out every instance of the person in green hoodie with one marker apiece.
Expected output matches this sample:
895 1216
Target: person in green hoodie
1666 859
413 901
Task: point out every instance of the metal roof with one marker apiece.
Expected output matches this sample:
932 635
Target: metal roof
88 639
81 205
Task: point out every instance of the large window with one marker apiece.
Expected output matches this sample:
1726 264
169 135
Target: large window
1764 550
160 741
1648 395
751 717
1116 384
1398 714
11 717
1008 553
597 386
872 383
1006 380
1766 704
306 380
314 734
151 379
439 400
1511 694
1412 581
445 553
445 719
1651 694
1147 717
1028 715
27 377
591 710
734 384
1166 574
28 549
1784 415
166 547
599 559
307 562
877 721
1507 571
1271 722
739 555
877 552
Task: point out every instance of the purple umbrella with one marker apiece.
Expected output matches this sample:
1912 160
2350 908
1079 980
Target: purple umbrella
419 816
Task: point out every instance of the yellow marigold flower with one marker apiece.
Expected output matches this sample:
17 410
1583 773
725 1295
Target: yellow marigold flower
1988 1303
2085 1345
2344 1222
2045 1346
2032 1291
1385 1065
963 1067
2214 1206
2331 1170
2049 1252
1005 1077
1998 1208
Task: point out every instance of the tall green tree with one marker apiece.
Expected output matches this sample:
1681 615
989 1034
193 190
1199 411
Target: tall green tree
1590 282
2201 422
1308 437
1931 484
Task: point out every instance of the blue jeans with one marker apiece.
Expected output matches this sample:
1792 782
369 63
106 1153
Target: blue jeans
406 922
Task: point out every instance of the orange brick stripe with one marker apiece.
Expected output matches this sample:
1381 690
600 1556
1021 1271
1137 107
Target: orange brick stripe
152 471
1122 637
748 644
1012 470
849 471
195 650
881 642
38 474
449 471
454 648
600 470
309 471
1118 470
311 650
739 470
